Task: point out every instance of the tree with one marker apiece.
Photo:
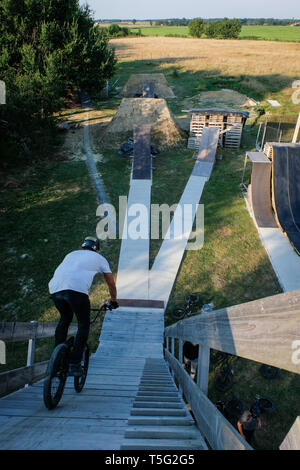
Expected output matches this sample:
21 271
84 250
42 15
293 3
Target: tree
226 29
196 27
45 46
229 29
114 29
133 21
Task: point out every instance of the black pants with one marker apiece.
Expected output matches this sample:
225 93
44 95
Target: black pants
67 303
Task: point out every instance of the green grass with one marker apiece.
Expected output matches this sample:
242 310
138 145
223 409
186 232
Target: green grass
269 33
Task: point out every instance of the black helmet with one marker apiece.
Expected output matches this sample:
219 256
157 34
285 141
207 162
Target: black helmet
91 242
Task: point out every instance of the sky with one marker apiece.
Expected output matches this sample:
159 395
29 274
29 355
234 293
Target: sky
158 9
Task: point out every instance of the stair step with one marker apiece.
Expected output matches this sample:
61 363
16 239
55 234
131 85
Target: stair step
156 398
162 432
158 404
163 444
158 412
158 389
160 421
156 382
163 394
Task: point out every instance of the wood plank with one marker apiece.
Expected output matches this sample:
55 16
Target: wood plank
22 331
141 303
292 439
61 434
14 379
142 153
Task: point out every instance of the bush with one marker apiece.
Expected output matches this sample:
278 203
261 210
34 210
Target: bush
226 29
196 27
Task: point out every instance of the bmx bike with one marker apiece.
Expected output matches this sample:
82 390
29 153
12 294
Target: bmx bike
58 367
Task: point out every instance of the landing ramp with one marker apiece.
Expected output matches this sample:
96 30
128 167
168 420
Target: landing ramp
286 190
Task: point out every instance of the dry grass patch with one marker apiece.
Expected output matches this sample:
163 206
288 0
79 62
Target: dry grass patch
227 57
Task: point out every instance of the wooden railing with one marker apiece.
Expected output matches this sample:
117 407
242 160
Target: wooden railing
265 330
21 331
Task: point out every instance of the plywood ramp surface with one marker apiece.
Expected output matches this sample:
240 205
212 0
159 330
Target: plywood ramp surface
286 190
259 195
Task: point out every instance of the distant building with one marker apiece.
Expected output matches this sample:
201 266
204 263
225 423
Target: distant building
295 24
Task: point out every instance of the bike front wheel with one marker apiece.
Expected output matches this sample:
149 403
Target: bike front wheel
266 404
80 381
56 376
178 313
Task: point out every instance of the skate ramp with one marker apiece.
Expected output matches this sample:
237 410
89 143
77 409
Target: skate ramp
259 190
286 190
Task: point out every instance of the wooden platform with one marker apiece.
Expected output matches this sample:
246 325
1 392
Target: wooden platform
124 378
229 121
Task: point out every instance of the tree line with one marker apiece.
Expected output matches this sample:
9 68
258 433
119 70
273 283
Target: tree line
225 28
244 21
46 47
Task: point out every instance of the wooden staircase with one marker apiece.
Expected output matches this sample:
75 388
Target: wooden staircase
159 418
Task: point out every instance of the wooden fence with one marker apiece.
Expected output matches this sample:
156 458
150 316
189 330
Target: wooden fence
265 330
21 331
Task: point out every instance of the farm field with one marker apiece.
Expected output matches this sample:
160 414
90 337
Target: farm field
270 33
59 192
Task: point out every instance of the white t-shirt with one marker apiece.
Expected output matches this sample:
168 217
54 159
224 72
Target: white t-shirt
77 271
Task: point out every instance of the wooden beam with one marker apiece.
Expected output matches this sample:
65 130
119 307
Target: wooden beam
296 132
22 331
220 434
292 439
142 303
17 378
265 330
203 367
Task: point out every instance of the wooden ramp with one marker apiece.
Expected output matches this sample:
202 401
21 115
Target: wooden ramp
286 190
99 417
259 190
132 278
167 262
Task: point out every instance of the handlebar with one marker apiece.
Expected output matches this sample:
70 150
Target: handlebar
104 307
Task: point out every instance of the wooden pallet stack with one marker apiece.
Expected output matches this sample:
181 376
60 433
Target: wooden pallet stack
224 119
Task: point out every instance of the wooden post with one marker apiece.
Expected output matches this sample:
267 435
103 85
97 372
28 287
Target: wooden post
180 358
297 129
203 367
31 348
173 350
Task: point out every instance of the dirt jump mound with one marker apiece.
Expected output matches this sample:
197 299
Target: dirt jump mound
134 86
136 111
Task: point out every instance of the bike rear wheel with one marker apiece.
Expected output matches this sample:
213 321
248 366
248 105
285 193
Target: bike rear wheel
178 313
268 372
234 407
56 376
224 381
265 404
80 381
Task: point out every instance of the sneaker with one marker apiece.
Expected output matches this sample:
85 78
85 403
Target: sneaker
75 370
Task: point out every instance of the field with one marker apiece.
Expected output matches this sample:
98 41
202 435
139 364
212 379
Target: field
269 33
48 207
